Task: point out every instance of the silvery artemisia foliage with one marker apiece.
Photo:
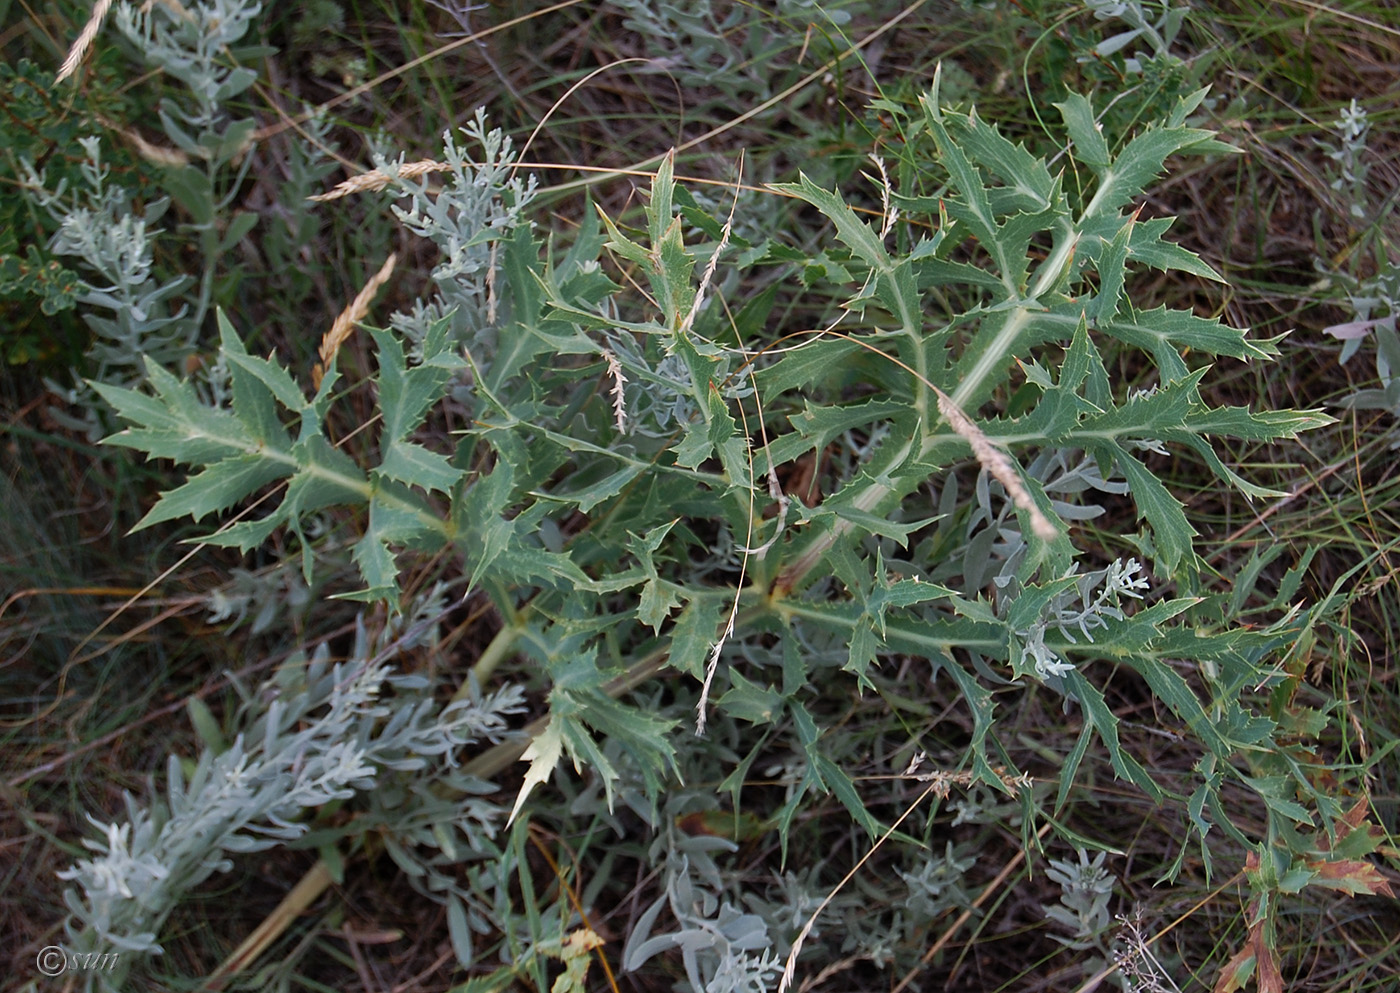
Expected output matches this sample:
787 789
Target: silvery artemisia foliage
1087 605
1157 29
1374 300
1085 889
477 207
149 317
732 929
996 546
733 933
192 46
99 226
723 948
702 44
1353 127
317 731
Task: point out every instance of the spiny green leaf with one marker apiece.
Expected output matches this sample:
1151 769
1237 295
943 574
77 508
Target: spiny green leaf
1146 415
863 647
1203 448
944 272
543 754
621 244
902 593
396 517
522 341
841 785
724 437
673 271
219 487
1140 161
1113 266
748 701
1163 511
979 700
854 233
694 634
1106 724
810 362
874 523
1090 147
1172 690
580 697
819 424
414 465
694 447
276 379
1028 606
975 209
1162 332
657 601
605 488
1148 248
406 395
1023 173
1254 425
483 504
660 215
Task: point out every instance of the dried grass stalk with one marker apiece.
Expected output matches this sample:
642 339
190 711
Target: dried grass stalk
85 39
158 154
618 382
344 325
995 462
376 179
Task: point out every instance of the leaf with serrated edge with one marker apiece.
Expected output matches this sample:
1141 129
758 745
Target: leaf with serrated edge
1089 144
543 754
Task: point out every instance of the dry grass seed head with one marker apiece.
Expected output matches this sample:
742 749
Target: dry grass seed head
344 325
84 41
618 382
996 463
376 179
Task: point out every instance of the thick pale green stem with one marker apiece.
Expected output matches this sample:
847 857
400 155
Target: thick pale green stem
993 358
875 498
494 654
882 498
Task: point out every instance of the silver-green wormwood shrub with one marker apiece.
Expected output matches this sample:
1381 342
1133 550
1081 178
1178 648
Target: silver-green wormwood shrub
614 486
